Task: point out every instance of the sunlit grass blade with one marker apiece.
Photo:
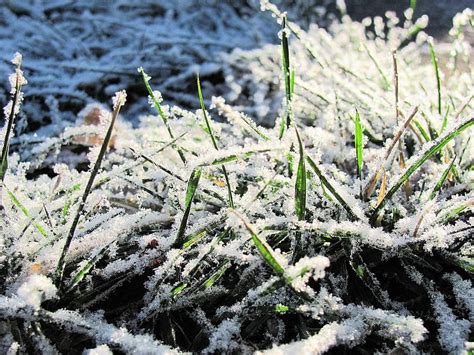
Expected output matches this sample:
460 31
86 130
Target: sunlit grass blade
442 179
232 156
434 60
214 141
26 212
445 121
119 101
455 211
333 191
300 186
68 203
263 248
156 102
211 280
84 271
422 130
435 148
358 144
386 82
190 192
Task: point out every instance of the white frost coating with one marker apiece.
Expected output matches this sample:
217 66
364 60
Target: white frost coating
307 268
330 335
464 292
36 289
222 337
99 350
119 99
453 332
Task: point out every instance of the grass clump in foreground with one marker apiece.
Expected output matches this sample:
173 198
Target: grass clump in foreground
195 235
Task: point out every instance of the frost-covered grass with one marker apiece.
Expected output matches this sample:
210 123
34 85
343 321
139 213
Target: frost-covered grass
346 226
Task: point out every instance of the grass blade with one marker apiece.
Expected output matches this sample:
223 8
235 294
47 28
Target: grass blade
442 179
422 130
333 191
190 192
358 144
369 188
119 101
156 102
84 271
434 60
19 81
288 78
300 186
383 187
263 248
27 214
213 139
435 148
386 82
231 157
445 121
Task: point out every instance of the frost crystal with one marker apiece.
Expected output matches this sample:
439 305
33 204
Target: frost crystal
119 99
36 289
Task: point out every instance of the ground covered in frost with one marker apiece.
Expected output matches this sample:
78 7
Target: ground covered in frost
169 220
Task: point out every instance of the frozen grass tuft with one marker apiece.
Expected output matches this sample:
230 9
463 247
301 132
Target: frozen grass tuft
337 230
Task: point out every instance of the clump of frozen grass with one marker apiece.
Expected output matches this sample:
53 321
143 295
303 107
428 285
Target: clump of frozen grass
195 235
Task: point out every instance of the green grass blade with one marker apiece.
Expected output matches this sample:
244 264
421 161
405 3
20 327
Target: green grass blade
263 248
288 78
84 271
333 191
300 186
422 130
231 157
27 214
146 80
442 179
68 203
445 121
453 212
413 4
358 144
216 275
386 82
435 148
190 192
434 60
213 139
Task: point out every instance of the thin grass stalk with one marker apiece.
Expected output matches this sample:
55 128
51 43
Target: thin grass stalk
369 188
300 185
442 179
59 274
190 192
156 103
434 60
333 191
358 141
11 119
214 142
287 77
